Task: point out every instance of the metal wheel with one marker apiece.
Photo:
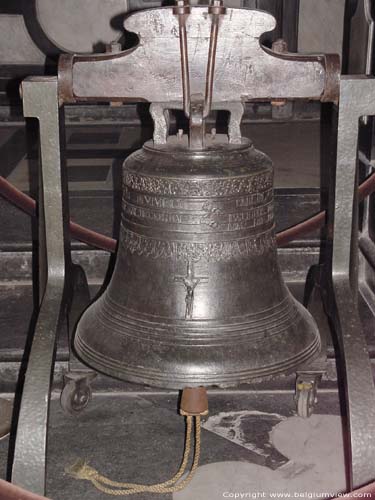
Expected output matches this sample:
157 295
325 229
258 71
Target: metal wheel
305 399
75 397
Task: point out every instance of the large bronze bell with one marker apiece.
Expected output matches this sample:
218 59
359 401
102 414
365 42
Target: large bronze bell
197 297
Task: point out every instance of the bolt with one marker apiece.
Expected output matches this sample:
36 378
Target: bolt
213 133
278 102
280 46
113 47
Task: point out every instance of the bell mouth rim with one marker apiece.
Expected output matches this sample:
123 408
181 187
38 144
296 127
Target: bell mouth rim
174 145
146 371
178 381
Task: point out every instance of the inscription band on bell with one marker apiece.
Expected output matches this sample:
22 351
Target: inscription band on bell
218 251
202 187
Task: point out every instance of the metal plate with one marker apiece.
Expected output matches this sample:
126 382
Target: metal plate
245 70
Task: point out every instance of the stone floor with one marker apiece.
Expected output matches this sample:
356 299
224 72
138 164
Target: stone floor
252 443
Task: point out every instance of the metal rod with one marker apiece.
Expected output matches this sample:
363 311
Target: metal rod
211 65
184 59
371 33
370 43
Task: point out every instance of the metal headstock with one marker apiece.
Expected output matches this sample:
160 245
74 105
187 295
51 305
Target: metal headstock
197 59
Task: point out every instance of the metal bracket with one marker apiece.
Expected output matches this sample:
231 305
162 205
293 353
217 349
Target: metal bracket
196 122
40 100
160 116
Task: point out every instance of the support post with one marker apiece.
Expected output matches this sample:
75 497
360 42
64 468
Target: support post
357 98
40 100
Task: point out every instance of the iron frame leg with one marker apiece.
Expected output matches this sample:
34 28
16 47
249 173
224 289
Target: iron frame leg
309 376
357 98
76 393
40 100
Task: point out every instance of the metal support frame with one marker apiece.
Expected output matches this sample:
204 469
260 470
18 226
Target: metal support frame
40 96
309 376
40 101
357 98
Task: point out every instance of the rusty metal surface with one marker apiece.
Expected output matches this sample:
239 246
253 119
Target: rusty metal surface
244 70
332 78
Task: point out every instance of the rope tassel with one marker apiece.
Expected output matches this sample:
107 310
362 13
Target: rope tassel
83 471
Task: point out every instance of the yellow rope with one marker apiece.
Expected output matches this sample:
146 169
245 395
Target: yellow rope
81 470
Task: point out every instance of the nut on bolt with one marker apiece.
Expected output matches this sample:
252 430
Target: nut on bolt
280 46
182 7
278 102
217 7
